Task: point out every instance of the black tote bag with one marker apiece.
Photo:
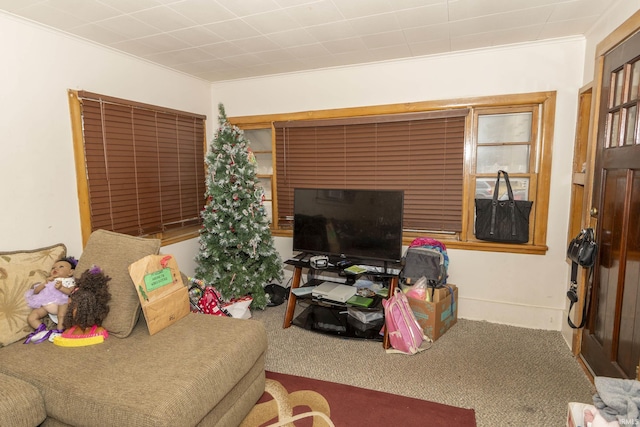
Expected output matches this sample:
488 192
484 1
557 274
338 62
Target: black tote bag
505 221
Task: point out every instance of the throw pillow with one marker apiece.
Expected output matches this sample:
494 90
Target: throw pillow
19 270
113 252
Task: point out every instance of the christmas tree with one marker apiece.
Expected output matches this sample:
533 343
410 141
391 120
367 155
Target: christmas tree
237 254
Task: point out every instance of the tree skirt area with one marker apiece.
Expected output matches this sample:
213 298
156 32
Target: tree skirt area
346 406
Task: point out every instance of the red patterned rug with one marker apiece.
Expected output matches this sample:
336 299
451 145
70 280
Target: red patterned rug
333 404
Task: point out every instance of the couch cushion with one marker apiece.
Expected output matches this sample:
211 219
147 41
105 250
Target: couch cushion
21 403
198 366
19 270
113 252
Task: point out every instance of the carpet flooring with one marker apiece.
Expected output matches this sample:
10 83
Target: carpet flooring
345 405
509 376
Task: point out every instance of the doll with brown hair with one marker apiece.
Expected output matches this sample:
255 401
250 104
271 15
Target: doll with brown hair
50 298
88 304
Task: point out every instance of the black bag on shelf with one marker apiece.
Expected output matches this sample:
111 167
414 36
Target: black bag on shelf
505 221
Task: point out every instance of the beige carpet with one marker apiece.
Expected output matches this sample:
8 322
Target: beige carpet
510 376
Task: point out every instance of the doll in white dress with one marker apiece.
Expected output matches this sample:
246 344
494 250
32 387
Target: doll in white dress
52 297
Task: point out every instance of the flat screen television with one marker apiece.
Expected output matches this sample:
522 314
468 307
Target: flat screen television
351 224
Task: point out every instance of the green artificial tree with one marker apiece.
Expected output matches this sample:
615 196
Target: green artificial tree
237 254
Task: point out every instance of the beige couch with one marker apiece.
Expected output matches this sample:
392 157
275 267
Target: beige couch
202 370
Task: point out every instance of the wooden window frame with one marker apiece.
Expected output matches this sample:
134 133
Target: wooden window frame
180 185
542 103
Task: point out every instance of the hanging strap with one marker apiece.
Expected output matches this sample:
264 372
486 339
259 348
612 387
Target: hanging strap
572 294
494 203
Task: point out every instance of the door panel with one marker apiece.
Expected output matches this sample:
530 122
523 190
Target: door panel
611 338
629 344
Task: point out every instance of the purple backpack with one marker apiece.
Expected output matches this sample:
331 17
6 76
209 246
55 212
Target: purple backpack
405 334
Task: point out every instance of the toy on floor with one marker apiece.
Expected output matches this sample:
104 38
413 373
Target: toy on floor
88 307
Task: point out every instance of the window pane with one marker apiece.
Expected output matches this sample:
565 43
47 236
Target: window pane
495 128
259 139
265 183
510 158
486 186
264 163
615 129
268 209
617 88
630 126
635 81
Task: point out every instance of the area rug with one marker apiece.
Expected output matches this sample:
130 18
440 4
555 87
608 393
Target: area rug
304 402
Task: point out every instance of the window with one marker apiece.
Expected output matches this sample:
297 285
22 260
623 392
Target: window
140 167
442 154
420 153
260 144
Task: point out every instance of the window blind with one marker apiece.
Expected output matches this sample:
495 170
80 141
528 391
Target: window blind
420 153
144 165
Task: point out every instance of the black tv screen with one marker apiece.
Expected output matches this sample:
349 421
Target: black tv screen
351 224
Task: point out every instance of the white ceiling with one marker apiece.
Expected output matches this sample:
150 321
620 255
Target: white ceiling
229 39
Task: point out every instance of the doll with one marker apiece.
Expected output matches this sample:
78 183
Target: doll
88 304
51 298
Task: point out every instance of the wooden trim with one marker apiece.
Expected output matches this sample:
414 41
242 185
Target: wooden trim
111 99
252 122
467 202
587 219
81 175
619 35
581 145
544 170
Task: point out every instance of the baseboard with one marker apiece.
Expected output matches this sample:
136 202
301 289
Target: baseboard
507 313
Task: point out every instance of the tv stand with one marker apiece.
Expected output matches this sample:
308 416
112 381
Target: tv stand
300 263
350 279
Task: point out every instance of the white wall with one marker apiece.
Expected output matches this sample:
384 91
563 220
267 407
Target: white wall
38 198
524 290
608 22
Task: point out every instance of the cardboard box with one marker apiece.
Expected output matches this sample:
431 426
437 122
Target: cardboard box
163 296
438 316
440 293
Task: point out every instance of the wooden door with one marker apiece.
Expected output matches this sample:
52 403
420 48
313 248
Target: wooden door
611 339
